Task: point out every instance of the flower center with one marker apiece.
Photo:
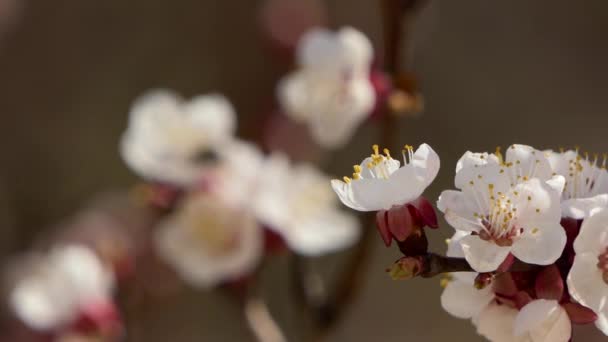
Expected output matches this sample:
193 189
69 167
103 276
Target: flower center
602 264
215 234
583 175
497 214
381 166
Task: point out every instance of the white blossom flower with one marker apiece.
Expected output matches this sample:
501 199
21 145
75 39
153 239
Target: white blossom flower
505 210
540 320
588 277
296 202
331 92
58 287
380 181
586 182
209 241
169 139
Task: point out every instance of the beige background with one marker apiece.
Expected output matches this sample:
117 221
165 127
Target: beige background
492 73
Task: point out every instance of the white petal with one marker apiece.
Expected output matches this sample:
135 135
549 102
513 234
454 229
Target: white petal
319 48
541 243
557 183
602 323
458 210
483 256
467 164
585 283
529 162
496 324
454 247
292 94
345 193
543 320
323 234
580 208
537 201
358 49
463 300
214 114
426 162
87 277
43 303
334 126
593 236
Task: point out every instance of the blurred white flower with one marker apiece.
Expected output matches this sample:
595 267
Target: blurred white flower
296 202
209 241
539 321
504 210
169 139
586 182
588 277
331 91
61 286
380 183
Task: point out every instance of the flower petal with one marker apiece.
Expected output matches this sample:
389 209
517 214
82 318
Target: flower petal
426 161
537 201
458 210
543 320
602 323
580 208
496 324
483 256
467 165
541 243
529 162
463 300
593 235
585 283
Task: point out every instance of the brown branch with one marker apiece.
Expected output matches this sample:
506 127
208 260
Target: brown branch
431 265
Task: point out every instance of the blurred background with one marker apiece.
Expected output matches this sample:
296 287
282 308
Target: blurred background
492 73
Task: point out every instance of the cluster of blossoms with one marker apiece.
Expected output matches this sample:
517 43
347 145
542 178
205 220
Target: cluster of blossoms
219 204
224 197
529 255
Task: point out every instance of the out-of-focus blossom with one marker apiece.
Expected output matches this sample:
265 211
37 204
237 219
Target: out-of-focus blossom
588 277
586 182
209 241
170 140
505 210
64 289
331 91
296 202
380 181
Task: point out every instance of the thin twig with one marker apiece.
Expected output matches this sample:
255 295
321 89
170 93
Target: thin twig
261 322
